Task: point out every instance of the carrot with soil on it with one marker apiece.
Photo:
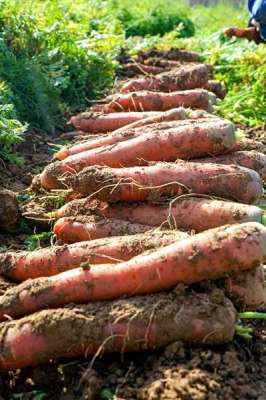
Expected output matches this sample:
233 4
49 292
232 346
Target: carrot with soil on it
166 120
161 180
249 159
101 123
183 142
187 213
124 133
160 101
138 324
132 69
173 54
209 255
217 87
248 145
246 289
83 228
9 211
183 78
23 265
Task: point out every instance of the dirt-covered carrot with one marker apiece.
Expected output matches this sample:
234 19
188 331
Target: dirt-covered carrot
73 134
101 123
209 255
5 284
124 133
189 214
162 63
249 159
183 142
159 101
247 289
82 228
23 265
131 69
9 211
174 54
248 145
216 87
183 78
137 324
161 180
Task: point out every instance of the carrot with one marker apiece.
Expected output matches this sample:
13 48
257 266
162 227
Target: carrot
124 133
72 134
184 78
101 123
174 54
178 116
159 101
184 142
23 265
189 213
9 211
5 284
247 289
248 145
132 69
209 255
154 182
78 229
216 87
249 159
161 63
137 324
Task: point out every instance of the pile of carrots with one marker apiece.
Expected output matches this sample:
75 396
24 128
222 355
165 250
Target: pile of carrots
165 197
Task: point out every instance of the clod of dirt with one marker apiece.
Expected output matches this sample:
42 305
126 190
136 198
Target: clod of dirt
9 211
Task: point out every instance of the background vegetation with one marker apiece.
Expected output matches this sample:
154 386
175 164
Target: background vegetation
58 55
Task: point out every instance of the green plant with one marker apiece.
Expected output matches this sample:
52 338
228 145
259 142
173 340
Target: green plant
36 240
11 130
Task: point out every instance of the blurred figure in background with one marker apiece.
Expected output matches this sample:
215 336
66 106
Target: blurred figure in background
256 30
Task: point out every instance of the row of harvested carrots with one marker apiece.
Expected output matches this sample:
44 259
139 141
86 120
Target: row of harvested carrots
158 221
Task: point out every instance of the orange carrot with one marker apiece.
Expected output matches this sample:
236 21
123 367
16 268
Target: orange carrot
137 324
183 78
216 87
123 133
189 213
249 159
247 289
78 229
132 69
161 180
159 101
23 265
183 142
161 63
101 123
209 255
248 145
174 54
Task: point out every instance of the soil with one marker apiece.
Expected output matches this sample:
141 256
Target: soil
233 371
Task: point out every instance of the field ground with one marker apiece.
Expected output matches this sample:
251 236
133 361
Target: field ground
235 371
